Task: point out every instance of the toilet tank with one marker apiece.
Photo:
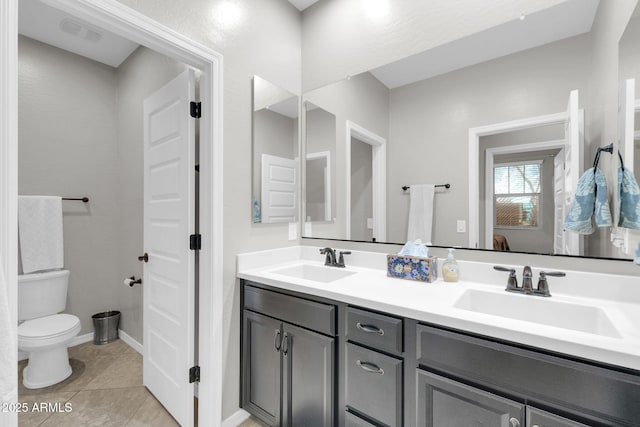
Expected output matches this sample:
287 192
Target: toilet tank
42 294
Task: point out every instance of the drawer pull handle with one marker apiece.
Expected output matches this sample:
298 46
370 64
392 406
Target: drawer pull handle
277 340
514 422
370 367
370 329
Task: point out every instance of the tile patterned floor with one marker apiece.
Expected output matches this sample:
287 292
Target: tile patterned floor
104 390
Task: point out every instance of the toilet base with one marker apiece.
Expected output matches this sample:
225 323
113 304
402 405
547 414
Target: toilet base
46 367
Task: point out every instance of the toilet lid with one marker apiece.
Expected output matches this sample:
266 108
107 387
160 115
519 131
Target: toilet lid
48 326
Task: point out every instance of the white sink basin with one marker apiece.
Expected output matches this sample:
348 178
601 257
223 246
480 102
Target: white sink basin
314 273
539 310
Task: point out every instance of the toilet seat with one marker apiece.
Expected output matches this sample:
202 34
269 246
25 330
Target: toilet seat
48 330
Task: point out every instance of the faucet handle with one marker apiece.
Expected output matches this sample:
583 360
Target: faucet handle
543 285
340 262
512 283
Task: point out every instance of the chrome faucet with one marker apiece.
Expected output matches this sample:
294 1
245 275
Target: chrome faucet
527 283
330 257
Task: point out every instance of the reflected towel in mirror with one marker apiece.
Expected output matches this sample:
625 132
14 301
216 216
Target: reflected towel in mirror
420 212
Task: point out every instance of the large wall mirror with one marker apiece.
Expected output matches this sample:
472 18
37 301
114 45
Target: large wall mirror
275 153
629 110
478 143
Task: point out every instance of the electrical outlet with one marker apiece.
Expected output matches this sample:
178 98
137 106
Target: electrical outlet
461 226
293 230
307 229
370 223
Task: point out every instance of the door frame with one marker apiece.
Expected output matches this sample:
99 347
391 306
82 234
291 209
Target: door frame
124 21
490 153
474 159
326 155
378 179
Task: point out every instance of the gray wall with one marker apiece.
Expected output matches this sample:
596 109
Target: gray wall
141 74
361 190
320 129
264 40
430 121
362 99
67 147
273 134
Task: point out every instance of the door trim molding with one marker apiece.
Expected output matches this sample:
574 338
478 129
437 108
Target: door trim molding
378 180
474 160
327 182
124 21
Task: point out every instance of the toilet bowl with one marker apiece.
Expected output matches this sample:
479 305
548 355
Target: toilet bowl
44 333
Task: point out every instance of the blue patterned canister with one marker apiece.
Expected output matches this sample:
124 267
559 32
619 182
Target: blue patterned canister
412 268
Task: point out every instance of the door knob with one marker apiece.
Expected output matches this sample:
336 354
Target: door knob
144 257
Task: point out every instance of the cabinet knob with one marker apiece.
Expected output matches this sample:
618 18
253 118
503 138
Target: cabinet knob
277 341
515 422
285 343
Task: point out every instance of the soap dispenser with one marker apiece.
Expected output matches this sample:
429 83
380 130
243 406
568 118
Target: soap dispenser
450 271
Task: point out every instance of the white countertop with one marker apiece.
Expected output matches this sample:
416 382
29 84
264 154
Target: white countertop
617 296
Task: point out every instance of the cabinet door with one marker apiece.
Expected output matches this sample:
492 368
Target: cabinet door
446 403
540 418
308 378
262 367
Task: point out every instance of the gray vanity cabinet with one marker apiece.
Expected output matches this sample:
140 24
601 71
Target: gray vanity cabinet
442 402
307 378
539 418
288 370
262 367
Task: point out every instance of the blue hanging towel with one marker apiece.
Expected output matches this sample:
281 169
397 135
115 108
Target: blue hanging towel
628 200
590 198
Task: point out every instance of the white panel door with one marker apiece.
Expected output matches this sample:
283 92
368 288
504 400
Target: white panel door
558 202
279 189
169 219
573 166
627 121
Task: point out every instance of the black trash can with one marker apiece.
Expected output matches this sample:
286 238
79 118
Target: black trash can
105 327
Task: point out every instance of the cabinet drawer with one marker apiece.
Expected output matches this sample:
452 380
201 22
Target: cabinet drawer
374 384
351 420
375 330
586 390
298 311
540 418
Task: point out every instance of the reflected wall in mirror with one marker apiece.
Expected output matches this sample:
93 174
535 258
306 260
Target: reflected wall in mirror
320 136
629 108
529 90
275 153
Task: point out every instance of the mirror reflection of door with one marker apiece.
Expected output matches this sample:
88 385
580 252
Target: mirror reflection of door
275 153
320 170
361 190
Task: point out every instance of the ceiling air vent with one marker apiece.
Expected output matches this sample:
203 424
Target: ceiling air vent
79 30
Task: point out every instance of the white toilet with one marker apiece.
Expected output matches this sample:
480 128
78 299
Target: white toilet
43 333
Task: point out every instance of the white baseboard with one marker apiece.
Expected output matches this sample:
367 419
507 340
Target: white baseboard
130 341
236 419
80 339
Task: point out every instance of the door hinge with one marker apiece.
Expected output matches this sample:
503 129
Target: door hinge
194 374
197 168
195 242
196 109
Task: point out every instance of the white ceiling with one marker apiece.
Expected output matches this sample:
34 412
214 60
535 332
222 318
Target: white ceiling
567 19
52 26
302 4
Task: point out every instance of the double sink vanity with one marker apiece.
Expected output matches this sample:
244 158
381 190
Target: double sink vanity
327 346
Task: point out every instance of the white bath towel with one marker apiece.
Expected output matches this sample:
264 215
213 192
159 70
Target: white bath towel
8 350
420 212
40 229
